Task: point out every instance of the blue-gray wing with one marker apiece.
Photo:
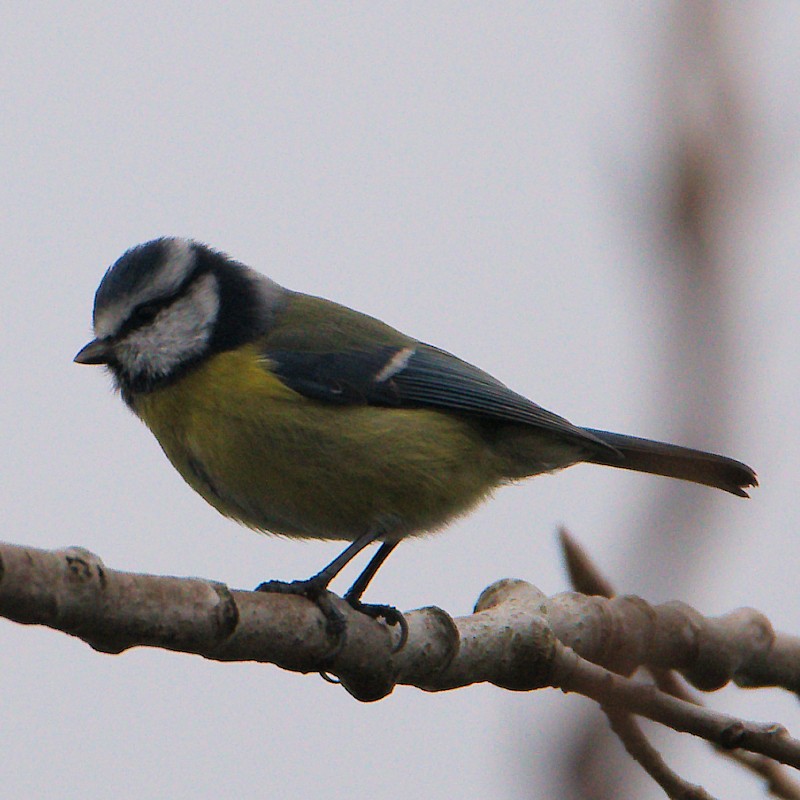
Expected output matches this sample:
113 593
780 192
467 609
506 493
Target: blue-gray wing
417 376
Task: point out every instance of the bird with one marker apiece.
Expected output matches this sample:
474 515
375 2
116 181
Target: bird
298 416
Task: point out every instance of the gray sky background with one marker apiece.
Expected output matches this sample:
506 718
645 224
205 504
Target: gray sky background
482 176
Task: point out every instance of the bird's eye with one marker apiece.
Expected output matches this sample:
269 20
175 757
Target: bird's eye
144 313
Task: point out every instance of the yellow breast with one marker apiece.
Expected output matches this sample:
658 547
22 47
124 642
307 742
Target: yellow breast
278 461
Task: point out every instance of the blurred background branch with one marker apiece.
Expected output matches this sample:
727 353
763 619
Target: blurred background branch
703 180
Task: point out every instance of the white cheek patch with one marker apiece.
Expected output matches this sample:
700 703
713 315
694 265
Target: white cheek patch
180 332
177 264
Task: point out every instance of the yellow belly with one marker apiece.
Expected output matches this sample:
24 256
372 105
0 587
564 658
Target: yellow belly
278 461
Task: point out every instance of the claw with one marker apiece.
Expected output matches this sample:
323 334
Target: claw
390 615
335 623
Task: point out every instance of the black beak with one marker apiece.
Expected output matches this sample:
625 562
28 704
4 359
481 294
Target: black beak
98 351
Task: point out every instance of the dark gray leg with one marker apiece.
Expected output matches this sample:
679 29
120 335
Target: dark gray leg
389 613
354 593
315 587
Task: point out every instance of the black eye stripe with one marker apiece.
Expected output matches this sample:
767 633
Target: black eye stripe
144 313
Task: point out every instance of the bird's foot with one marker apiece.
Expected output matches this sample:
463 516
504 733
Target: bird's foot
317 593
336 624
389 614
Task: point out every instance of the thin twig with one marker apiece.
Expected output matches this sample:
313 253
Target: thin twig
639 748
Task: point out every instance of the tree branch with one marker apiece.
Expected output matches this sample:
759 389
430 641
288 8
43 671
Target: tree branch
586 577
517 639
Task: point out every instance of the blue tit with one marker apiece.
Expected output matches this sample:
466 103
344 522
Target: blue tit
298 416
